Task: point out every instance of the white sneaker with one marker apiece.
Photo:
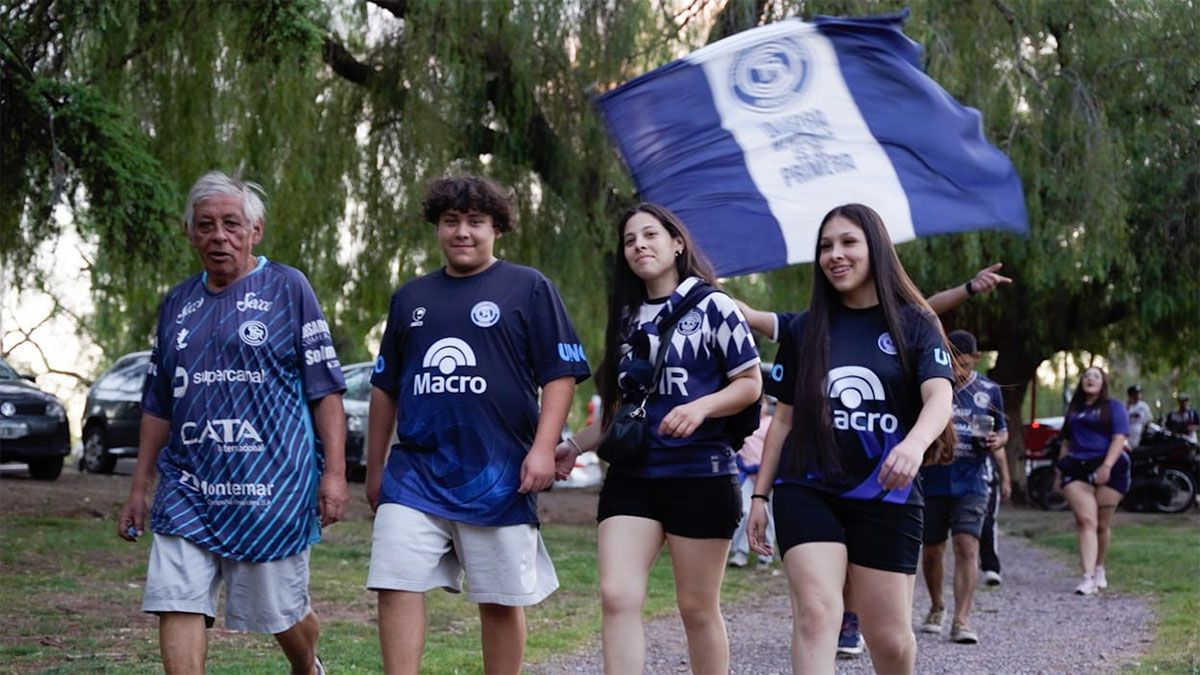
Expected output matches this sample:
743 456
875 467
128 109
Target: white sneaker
992 578
1101 579
1087 586
738 559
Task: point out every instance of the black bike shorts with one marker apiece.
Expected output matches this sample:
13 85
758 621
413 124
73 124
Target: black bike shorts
1073 469
697 508
877 534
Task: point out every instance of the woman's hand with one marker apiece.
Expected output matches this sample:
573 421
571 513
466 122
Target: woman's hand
1102 474
683 420
756 528
565 455
901 465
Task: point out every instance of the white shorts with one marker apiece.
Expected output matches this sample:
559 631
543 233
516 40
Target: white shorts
414 551
264 597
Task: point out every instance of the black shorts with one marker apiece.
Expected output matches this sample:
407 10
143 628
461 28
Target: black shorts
697 508
1073 469
955 515
877 535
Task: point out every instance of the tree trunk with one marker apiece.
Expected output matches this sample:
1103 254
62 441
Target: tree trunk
1014 370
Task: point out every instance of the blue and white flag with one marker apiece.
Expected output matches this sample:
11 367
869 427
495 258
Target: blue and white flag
754 138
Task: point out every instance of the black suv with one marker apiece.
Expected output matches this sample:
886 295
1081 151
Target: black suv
33 426
114 414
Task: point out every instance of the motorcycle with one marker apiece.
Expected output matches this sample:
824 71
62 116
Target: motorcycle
1165 472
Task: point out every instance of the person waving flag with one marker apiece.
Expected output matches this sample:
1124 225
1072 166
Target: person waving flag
752 138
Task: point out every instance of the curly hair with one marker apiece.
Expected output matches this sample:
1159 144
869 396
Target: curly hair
468 192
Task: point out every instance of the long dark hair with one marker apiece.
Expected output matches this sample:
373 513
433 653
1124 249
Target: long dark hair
895 290
628 292
1079 399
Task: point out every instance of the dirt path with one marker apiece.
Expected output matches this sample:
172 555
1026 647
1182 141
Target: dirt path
1030 624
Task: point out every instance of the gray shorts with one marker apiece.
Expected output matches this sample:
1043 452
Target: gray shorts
414 551
268 597
956 515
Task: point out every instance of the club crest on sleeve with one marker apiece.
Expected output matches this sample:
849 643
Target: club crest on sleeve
690 323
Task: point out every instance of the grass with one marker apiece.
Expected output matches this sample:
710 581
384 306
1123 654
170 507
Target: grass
71 591
1150 554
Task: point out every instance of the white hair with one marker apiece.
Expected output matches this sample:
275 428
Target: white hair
215 183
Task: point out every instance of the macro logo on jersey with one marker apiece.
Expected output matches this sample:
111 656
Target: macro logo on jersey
226 493
886 344
226 435
189 309
852 386
251 301
253 333
447 356
485 314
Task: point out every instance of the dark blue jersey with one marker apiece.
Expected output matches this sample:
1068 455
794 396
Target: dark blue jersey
233 372
464 358
1089 435
872 402
711 344
968 473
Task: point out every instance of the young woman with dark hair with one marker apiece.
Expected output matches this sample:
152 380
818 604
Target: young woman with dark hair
865 393
1094 471
683 491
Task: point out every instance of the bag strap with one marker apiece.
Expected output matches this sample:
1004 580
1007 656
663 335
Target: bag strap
694 295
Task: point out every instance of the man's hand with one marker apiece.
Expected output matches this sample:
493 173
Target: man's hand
988 278
132 521
332 498
565 455
1005 489
993 441
537 471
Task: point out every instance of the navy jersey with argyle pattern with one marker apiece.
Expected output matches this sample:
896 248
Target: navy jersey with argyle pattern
234 372
711 344
464 358
873 404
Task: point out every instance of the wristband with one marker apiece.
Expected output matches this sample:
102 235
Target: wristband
762 497
967 286
571 442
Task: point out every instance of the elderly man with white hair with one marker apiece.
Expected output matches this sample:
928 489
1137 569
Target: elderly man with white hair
242 372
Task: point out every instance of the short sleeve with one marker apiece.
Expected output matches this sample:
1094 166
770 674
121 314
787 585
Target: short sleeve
781 381
320 370
390 362
157 391
1120 417
785 323
730 336
997 407
928 350
555 348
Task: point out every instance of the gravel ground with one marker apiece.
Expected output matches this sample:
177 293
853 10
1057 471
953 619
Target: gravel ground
1030 624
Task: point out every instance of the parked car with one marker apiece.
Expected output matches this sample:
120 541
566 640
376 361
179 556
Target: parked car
356 401
113 414
33 425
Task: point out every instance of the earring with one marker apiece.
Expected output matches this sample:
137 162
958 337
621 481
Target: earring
678 253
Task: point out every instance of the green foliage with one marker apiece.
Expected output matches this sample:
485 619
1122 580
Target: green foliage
344 111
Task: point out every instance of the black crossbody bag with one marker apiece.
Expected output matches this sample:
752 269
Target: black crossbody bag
625 441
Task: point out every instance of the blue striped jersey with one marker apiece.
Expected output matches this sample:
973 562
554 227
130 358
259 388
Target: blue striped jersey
233 372
968 474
